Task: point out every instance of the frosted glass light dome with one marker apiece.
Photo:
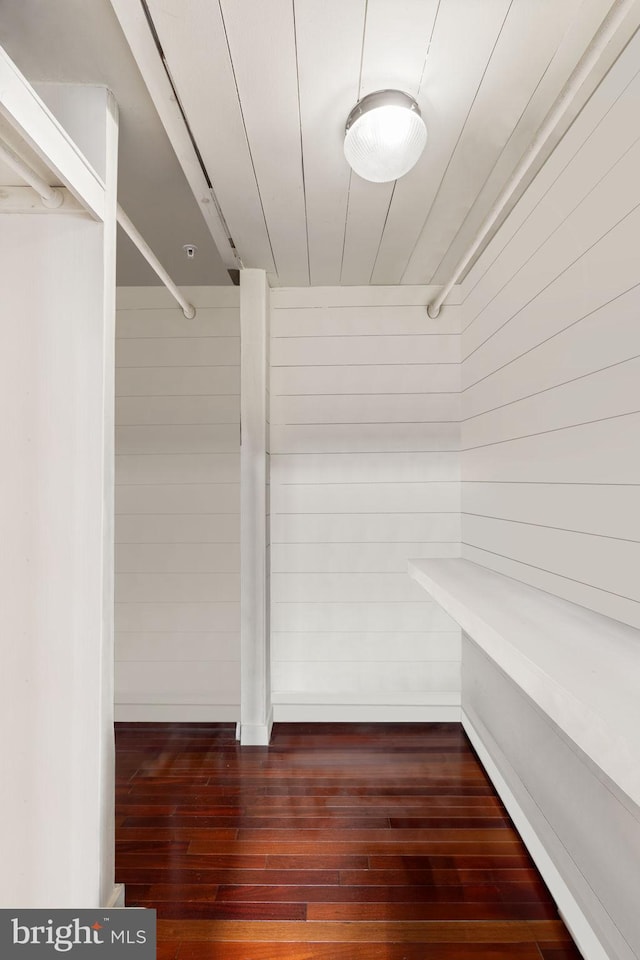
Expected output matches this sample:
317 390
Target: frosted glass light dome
385 136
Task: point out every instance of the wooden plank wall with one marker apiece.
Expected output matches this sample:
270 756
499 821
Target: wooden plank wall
177 506
551 368
364 475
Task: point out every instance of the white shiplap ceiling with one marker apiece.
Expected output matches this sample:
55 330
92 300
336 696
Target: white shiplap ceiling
266 86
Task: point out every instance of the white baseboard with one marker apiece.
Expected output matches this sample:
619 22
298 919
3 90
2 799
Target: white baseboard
116 899
175 713
255 734
365 713
572 914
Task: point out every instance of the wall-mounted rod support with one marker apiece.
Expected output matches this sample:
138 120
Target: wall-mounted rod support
605 32
134 235
50 196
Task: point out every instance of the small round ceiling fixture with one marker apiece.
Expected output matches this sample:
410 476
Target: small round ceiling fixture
385 136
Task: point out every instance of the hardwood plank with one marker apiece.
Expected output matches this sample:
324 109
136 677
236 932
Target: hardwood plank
395 893
320 862
505 837
422 910
404 931
207 910
359 951
392 842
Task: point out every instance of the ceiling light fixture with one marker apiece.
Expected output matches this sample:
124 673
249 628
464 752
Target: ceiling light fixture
385 136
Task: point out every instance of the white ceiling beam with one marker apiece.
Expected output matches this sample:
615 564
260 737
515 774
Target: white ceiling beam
143 47
195 46
26 113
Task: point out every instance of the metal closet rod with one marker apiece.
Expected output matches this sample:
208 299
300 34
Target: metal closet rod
136 237
52 197
587 62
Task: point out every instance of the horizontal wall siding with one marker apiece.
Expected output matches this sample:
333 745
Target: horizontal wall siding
177 507
551 368
364 475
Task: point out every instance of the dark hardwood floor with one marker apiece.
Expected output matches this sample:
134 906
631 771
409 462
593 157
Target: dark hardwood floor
339 842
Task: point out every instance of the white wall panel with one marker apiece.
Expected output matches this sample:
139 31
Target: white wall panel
194 499
177 682
184 438
208 322
605 337
338 351
607 270
181 351
602 562
362 527
361 319
381 557
177 507
175 528
180 587
364 437
551 376
597 452
365 497
603 395
190 381
366 408
356 676
361 647
612 511
176 557
371 378
602 601
177 647
155 410
357 617
177 617
364 475
183 468
390 467
341 587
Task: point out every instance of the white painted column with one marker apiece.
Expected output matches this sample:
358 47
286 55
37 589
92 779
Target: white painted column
256 715
57 276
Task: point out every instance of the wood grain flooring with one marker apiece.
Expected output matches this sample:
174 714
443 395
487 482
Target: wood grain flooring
338 842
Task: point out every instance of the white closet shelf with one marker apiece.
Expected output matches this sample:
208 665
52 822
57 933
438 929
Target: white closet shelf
580 668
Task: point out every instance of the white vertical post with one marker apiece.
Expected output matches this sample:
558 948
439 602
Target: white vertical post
256 714
57 275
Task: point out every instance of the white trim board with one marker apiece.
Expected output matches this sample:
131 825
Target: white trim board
363 713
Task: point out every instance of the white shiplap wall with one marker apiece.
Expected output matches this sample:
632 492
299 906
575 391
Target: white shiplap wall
364 475
177 506
551 368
